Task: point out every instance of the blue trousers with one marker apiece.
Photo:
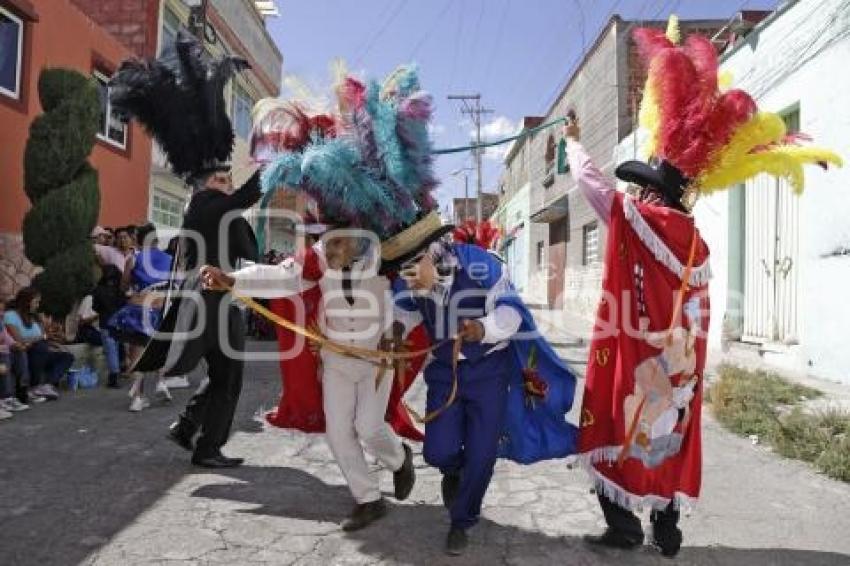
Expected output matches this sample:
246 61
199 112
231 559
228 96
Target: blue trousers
464 438
46 365
110 351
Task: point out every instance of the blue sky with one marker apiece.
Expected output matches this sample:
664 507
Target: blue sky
516 53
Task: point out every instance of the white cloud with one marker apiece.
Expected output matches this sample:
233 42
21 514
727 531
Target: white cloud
436 130
496 129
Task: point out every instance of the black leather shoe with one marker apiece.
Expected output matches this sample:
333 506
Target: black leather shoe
405 477
456 542
666 551
450 487
365 514
178 435
667 542
233 461
614 539
112 382
217 461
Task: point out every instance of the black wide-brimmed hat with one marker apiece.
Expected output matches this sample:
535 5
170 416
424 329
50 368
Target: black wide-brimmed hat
669 181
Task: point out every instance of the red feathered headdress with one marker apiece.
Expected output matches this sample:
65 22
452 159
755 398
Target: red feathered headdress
714 138
484 234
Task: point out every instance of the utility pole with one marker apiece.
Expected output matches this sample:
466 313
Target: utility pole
475 111
465 171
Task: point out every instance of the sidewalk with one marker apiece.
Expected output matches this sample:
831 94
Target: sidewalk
571 337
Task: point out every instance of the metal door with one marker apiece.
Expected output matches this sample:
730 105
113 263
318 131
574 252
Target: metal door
771 256
557 268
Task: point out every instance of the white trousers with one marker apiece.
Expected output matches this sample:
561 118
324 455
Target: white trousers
354 418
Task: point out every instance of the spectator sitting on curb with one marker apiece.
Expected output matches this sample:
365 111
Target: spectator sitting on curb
17 364
12 371
88 328
47 365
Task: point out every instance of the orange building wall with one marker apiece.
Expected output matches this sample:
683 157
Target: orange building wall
64 36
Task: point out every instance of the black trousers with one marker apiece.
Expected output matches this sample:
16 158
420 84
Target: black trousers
665 528
210 410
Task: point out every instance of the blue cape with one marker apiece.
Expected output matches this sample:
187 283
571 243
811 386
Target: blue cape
538 430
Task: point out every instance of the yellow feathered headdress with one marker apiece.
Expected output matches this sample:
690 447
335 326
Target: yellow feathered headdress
715 139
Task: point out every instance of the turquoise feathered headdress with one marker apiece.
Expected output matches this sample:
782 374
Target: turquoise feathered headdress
367 165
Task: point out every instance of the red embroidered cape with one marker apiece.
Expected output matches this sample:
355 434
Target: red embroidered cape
643 381
300 405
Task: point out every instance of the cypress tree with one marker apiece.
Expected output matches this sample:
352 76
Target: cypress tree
63 188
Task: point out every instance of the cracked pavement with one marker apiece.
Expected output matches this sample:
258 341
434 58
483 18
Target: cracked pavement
86 482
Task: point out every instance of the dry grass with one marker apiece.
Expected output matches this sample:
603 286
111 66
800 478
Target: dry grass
764 404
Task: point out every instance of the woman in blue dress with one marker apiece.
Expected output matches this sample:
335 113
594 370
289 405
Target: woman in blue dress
146 278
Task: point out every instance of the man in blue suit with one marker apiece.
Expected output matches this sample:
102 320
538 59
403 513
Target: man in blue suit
486 407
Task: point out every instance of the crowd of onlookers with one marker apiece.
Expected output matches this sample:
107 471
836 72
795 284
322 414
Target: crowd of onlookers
37 352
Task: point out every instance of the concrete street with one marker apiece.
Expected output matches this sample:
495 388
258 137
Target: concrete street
86 482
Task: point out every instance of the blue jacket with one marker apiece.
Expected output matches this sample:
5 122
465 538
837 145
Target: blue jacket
533 431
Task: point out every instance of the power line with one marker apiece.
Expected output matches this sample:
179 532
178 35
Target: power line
380 31
499 31
458 35
430 30
475 34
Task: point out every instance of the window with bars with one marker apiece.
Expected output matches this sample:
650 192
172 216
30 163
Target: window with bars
590 244
113 128
170 27
11 53
242 105
167 210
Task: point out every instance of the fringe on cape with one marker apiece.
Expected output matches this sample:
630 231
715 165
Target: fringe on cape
700 275
625 499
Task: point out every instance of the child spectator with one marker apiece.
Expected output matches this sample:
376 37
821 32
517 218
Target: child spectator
14 394
107 299
88 329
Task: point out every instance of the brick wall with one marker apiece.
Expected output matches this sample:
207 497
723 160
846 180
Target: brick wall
135 23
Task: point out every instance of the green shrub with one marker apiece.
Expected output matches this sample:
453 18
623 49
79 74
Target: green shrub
63 218
63 188
66 277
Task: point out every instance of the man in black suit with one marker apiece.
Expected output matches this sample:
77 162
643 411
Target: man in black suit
210 411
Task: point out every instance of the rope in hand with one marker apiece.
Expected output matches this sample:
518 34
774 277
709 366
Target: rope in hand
677 314
364 353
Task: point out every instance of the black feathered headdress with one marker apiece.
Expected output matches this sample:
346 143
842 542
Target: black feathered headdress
179 99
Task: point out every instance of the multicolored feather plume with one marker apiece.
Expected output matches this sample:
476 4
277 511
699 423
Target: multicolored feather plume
714 136
367 165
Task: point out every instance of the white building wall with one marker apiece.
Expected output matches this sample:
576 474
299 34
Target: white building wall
799 58
516 214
